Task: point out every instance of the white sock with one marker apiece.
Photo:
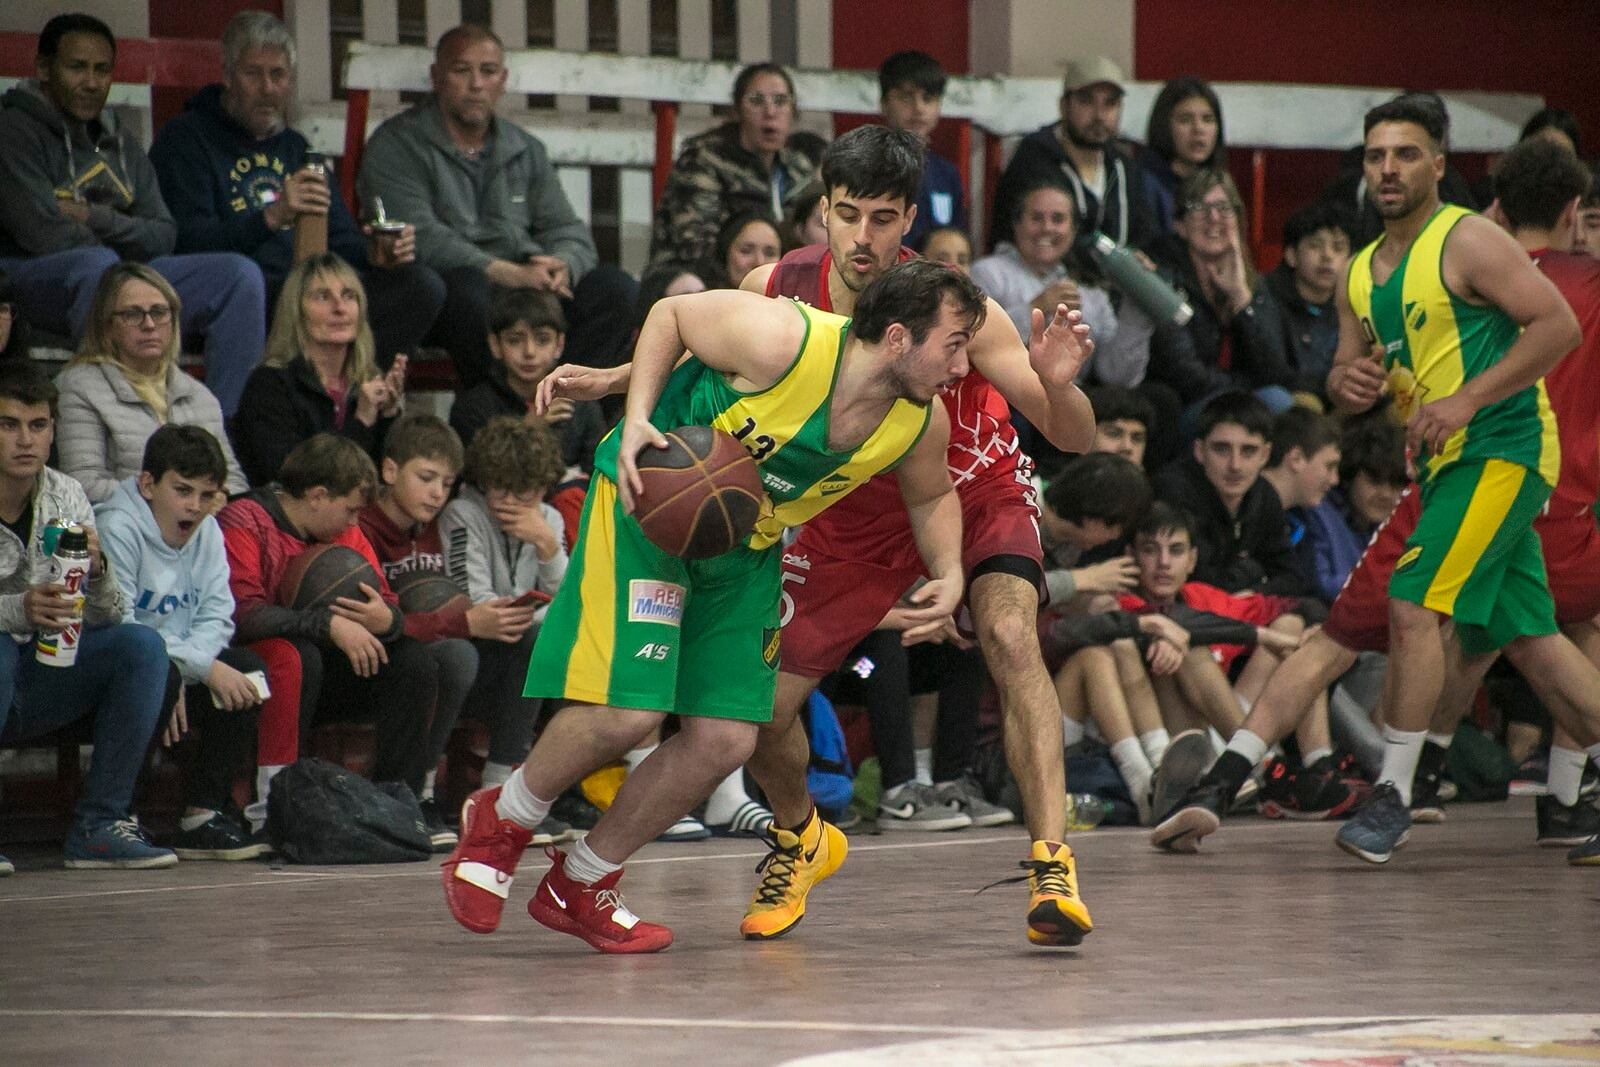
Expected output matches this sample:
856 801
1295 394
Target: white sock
584 866
1135 766
725 799
1248 745
194 822
1071 731
1401 750
257 811
1219 744
518 804
1155 744
634 757
1308 758
924 757
428 780
1245 703
1442 740
1565 777
493 774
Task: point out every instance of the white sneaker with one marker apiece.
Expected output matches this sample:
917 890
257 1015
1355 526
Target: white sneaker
913 806
687 828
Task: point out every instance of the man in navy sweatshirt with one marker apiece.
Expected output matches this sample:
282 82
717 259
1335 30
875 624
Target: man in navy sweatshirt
234 176
911 85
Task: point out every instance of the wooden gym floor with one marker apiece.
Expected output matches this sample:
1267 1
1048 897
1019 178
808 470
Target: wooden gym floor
247 964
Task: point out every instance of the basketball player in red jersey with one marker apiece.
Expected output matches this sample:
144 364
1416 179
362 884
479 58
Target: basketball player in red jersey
842 577
1538 186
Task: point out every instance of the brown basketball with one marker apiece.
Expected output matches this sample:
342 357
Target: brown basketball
423 591
324 573
702 493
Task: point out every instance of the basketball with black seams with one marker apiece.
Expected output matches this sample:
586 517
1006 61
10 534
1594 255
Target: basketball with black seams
428 591
702 493
324 573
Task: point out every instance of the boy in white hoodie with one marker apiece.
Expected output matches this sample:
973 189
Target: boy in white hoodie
167 555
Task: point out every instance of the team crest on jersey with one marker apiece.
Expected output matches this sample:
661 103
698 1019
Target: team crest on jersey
769 646
833 484
653 601
1416 315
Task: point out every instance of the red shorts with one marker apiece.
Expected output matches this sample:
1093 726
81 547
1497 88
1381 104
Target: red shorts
1359 619
831 601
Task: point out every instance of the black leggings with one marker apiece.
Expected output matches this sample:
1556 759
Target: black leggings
224 742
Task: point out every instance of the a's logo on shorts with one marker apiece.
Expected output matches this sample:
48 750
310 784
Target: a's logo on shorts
653 601
1411 556
769 647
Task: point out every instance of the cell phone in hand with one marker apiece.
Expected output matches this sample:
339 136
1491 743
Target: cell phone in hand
532 598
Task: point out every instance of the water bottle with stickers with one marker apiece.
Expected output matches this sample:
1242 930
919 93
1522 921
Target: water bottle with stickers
68 568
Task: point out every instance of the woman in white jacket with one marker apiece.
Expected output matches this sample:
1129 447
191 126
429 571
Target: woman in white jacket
125 382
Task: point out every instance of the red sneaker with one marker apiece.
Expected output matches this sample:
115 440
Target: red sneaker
477 876
595 913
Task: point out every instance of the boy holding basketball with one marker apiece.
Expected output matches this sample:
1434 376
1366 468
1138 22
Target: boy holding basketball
356 662
822 403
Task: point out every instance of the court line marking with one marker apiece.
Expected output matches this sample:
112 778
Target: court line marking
642 1023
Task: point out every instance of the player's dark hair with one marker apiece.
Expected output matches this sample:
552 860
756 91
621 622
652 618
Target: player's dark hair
1241 409
1373 446
916 69
24 382
657 279
1319 215
913 293
1536 180
1113 403
1100 485
1158 133
330 462
934 231
1301 428
57 28
1165 517
423 436
872 161
190 450
1553 118
1423 109
532 308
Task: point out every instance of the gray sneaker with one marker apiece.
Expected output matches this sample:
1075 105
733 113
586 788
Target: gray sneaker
965 794
913 806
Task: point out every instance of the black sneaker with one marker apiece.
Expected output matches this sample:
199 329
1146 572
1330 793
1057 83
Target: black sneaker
441 837
1565 825
1427 784
1199 813
571 808
218 838
1317 792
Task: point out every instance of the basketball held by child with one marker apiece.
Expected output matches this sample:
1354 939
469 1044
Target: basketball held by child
702 493
322 574
428 591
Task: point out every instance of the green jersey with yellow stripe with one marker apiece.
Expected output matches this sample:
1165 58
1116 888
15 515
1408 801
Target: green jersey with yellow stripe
785 427
1434 342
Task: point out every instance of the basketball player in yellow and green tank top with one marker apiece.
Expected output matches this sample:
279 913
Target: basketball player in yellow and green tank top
1447 314
822 403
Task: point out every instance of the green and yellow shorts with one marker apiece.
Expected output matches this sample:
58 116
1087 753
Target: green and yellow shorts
1475 557
634 627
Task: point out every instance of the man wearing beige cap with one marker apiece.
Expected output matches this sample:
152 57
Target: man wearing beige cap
1080 152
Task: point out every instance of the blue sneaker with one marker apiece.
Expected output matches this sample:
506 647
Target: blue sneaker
120 844
1378 827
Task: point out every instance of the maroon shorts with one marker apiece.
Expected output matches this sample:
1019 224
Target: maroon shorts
1571 547
832 600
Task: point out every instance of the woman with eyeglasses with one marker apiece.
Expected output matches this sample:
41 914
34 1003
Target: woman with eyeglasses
743 165
1184 135
125 383
319 374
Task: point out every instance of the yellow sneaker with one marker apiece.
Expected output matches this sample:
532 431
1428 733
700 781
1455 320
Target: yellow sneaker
797 862
1056 914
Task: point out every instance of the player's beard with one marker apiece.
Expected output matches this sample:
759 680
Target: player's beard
1410 200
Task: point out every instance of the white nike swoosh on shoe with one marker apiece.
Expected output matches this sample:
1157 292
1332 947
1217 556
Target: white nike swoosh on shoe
903 812
556 897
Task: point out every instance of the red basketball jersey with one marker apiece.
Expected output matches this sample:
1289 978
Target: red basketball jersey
1574 384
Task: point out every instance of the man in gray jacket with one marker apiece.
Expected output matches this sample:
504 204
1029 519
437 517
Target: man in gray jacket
80 194
489 211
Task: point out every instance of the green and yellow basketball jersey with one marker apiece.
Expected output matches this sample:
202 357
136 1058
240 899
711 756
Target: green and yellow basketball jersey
1434 342
785 427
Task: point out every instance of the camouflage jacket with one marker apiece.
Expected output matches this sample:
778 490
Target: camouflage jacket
714 179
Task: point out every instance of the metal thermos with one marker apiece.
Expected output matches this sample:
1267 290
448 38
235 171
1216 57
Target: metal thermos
1144 287
68 568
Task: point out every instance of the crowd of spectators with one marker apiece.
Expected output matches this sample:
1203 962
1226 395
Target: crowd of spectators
1218 515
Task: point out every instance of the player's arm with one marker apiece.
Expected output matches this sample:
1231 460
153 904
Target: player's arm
1356 379
935 513
756 280
1037 378
1484 261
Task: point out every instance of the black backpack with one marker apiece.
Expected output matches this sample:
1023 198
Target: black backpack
318 812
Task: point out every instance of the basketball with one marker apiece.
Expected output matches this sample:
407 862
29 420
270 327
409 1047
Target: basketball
424 591
324 573
702 493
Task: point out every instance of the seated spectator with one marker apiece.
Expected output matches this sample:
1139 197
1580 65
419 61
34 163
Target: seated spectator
1081 150
489 210
1372 476
121 670
234 175
743 165
911 96
1095 500
125 383
745 242
1184 135
1122 421
1235 339
356 662
81 195
1316 253
1303 467
948 245
165 549
527 335
503 540
319 374
13 327
803 219
1241 535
